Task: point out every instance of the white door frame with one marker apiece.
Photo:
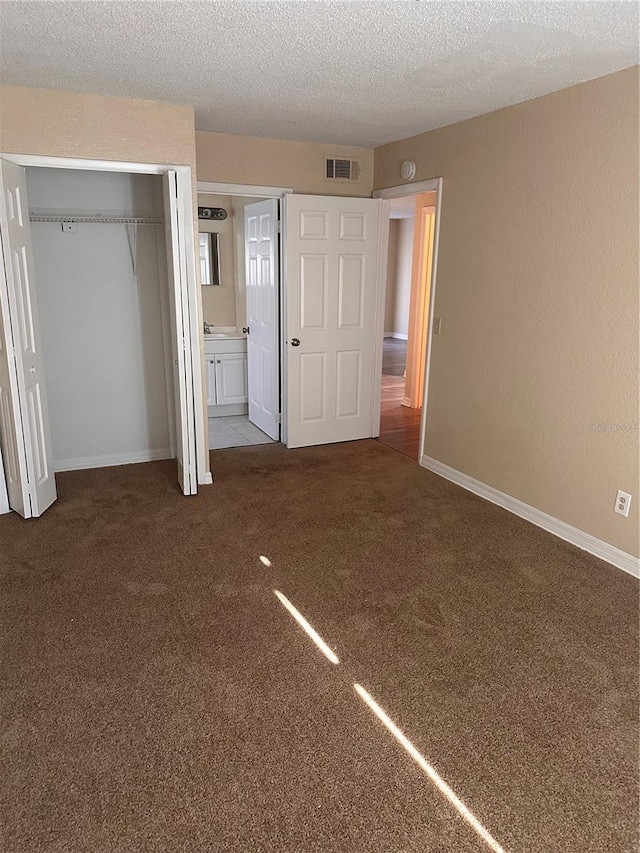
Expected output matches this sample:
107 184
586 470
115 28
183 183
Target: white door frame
185 204
386 195
253 191
217 188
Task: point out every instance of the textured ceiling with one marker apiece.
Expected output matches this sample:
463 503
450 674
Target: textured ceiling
361 73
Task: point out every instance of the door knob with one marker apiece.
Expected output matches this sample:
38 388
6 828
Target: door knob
295 342
245 330
217 361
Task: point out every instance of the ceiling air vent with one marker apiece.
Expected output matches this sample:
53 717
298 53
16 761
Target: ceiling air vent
339 169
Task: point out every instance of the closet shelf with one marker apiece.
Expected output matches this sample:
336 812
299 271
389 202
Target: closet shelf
95 218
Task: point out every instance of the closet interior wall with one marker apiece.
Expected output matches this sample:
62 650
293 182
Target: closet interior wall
102 295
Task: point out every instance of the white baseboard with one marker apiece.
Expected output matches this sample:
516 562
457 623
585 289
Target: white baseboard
208 479
585 541
107 461
397 335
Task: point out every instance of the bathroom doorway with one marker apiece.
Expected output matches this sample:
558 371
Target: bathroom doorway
241 315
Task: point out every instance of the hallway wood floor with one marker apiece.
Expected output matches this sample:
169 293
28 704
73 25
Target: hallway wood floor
399 425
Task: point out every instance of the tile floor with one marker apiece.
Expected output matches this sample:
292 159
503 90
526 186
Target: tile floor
235 431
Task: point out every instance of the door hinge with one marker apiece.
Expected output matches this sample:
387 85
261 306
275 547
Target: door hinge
278 226
279 417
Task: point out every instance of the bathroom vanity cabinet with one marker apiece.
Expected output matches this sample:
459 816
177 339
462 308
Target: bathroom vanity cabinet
226 372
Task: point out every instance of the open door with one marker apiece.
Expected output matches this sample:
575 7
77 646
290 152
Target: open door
24 418
179 311
261 264
331 296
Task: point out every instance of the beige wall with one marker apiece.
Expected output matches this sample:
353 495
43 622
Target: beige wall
278 163
537 288
219 301
399 268
392 265
65 124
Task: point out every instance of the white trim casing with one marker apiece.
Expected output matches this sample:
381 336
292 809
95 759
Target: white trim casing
585 541
431 314
378 325
219 188
90 165
408 189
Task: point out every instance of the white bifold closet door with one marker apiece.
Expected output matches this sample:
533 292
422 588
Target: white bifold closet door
331 296
24 419
179 312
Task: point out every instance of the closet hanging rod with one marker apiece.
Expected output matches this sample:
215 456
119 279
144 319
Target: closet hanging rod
95 218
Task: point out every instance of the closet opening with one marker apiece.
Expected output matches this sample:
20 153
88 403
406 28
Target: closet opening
98 310
101 286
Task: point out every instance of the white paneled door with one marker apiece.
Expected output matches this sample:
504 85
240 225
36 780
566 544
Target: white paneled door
261 260
24 417
331 294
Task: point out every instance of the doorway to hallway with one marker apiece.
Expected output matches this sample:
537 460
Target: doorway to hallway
411 240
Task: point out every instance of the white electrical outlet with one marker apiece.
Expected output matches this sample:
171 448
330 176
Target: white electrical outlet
623 500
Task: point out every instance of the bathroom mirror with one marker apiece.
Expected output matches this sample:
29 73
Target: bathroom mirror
209 258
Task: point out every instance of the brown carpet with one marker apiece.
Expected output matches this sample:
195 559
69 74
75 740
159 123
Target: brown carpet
157 697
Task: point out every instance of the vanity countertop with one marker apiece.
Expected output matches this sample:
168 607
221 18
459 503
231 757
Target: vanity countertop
222 333
225 336
219 343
